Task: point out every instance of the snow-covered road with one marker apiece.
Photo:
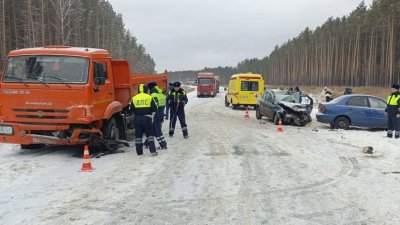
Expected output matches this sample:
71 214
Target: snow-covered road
230 171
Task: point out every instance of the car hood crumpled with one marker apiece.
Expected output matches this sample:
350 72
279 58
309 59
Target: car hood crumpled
294 106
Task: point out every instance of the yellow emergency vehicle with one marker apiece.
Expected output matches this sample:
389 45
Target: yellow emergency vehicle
244 90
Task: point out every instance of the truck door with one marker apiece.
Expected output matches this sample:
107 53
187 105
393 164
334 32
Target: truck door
103 90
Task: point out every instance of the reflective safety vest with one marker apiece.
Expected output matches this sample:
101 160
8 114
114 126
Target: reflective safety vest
393 99
142 100
160 97
175 95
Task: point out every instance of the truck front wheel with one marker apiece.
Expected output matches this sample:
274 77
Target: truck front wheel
110 129
111 132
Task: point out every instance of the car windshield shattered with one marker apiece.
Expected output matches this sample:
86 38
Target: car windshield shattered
287 97
47 69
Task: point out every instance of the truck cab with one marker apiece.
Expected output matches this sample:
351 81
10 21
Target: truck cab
65 96
207 84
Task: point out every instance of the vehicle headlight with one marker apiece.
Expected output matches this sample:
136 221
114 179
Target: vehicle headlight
7 130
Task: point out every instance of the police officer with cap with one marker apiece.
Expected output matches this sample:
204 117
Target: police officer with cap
143 106
177 100
392 112
160 98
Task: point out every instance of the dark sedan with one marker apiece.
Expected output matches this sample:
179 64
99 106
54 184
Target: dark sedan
353 110
291 108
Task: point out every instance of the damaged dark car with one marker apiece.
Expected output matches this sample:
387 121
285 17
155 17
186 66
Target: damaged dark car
291 107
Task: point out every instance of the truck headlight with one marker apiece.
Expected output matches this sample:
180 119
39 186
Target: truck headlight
6 130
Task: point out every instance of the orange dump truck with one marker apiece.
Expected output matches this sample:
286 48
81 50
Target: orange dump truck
62 95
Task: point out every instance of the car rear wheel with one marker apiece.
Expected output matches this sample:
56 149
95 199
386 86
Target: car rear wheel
342 123
258 113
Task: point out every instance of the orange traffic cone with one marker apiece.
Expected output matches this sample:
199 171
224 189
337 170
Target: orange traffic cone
86 165
280 128
246 114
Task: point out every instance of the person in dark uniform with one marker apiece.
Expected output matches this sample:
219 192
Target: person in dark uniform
177 100
392 111
157 94
143 106
170 87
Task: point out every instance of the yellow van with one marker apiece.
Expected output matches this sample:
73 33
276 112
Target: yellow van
244 89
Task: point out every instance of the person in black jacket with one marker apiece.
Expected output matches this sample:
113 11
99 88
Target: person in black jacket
170 87
392 112
143 106
177 100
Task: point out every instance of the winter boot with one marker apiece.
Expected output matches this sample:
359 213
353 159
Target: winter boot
389 134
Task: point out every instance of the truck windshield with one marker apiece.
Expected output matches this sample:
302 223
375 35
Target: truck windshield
47 69
205 80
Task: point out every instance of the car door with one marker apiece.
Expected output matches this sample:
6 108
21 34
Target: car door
357 110
376 114
262 104
270 105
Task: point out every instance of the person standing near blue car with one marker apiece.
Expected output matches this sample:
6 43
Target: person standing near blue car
392 112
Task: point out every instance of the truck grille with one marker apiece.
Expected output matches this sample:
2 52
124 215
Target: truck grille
41 113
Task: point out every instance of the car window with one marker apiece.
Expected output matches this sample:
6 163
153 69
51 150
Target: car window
264 96
270 98
358 101
377 103
338 99
249 86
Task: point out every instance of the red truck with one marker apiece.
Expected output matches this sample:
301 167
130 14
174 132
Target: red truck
63 95
207 84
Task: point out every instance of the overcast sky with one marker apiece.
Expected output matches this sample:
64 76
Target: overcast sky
190 35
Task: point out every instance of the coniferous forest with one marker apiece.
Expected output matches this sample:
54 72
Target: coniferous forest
78 23
361 49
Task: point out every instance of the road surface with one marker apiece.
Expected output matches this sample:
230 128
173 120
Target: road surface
230 171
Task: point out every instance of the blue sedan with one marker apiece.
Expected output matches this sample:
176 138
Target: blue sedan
355 110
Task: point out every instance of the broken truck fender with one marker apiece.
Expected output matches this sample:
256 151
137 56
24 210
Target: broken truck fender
112 108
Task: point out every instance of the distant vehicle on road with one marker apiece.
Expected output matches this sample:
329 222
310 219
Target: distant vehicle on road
286 106
207 84
353 110
244 90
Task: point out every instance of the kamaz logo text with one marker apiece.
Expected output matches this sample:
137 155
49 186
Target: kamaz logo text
39 103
